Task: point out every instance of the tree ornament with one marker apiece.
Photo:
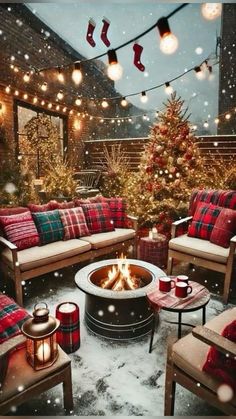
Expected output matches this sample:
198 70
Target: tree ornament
106 24
90 31
138 49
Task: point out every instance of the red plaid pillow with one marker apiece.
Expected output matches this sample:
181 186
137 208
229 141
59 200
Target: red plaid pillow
61 205
39 208
224 228
74 223
203 221
98 217
11 318
118 209
20 230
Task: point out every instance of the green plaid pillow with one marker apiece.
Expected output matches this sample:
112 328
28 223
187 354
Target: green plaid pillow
49 226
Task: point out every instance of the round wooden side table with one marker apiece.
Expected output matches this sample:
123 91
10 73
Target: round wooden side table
154 251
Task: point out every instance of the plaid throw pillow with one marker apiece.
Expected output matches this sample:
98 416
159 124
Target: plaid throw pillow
203 221
11 318
74 223
224 228
98 217
118 209
49 226
20 230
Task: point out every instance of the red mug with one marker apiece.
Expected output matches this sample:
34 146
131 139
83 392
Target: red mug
166 284
182 278
182 289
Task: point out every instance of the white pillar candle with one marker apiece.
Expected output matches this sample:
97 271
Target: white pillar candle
44 352
67 308
150 235
154 233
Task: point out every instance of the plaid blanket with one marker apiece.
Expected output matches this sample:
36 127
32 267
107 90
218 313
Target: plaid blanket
11 318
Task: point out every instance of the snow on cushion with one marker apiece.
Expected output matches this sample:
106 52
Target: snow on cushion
74 223
11 318
224 228
203 221
218 364
20 230
98 217
49 226
61 205
39 208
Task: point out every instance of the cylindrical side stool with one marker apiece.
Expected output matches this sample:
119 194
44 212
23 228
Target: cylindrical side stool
68 334
154 251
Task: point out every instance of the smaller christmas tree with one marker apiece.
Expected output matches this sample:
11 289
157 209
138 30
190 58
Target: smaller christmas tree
59 179
116 171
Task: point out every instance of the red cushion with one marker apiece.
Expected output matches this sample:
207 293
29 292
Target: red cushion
78 202
74 223
203 221
13 211
61 205
12 317
98 217
224 228
218 364
39 208
20 230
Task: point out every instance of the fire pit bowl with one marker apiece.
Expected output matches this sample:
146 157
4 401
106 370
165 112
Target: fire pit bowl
118 315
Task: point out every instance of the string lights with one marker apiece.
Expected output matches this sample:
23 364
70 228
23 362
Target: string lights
211 11
77 74
114 70
169 42
143 97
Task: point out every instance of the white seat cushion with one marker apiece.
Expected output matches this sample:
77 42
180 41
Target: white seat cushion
199 247
42 255
100 240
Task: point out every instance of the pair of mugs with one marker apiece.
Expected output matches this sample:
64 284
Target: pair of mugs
182 289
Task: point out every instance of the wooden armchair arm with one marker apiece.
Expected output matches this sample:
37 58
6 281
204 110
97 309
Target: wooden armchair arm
177 223
11 344
212 338
12 247
134 221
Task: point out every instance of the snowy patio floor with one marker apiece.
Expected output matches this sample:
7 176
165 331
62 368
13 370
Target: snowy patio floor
119 379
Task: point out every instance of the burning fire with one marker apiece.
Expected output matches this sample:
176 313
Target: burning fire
120 278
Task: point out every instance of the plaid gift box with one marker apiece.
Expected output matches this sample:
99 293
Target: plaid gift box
203 222
68 334
154 251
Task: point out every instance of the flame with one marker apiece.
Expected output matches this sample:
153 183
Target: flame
119 277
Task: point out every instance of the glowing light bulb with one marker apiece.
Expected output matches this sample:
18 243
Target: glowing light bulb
200 74
78 101
105 104
64 109
124 102
8 89
168 89
60 76
43 102
60 95
227 116
44 86
217 121
211 11
144 97
57 107
35 99
169 43
50 106
76 74
26 77
114 70
16 93
206 125
25 96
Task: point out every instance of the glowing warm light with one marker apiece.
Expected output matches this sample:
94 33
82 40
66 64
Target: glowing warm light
26 77
44 86
78 101
206 125
43 102
211 11
50 106
105 104
200 74
44 352
25 96
16 69
124 102
60 95
227 116
60 76
169 43
144 97
35 99
76 74
114 70
168 88
57 107
16 93
217 120
8 89
77 125
64 109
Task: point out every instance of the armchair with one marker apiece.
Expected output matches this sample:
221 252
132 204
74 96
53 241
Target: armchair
202 253
186 357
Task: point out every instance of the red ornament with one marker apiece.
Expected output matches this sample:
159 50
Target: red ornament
149 169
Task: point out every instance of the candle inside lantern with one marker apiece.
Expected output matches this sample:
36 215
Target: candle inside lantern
67 308
44 352
150 235
154 233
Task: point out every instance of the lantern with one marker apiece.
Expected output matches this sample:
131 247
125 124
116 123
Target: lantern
41 344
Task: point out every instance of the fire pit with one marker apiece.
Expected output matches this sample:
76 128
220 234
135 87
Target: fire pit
116 306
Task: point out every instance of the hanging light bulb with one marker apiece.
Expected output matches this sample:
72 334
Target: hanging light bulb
57 107
144 97
206 125
35 100
217 121
200 74
227 116
105 104
64 109
26 77
168 89
50 105
76 74
60 76
8 89
44 86
78 101
114 70
211 11
16 93
43 102
124 102
60 95
25 96
169 42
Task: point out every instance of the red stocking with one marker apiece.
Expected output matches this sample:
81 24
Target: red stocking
137 55
89 37
105 28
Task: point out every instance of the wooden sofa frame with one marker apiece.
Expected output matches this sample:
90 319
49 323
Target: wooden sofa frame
227 268
18 276
174 374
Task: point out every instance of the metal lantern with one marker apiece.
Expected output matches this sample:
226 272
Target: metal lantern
41 344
